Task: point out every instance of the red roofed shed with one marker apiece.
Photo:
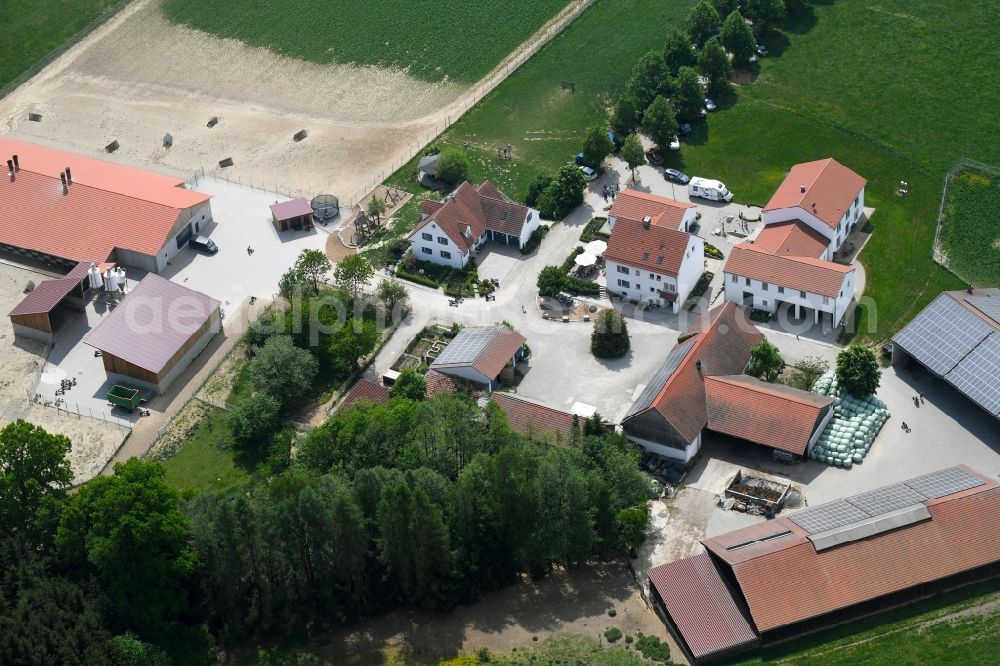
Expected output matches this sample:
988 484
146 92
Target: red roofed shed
33 316
292 214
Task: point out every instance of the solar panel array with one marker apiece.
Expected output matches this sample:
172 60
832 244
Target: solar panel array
944 482
467 346
881 501
988 305
943 334
978 375
659 380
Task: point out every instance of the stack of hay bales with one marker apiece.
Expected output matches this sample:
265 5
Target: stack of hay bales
855 423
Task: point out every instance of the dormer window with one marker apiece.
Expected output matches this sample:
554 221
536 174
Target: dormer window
468 232
645 256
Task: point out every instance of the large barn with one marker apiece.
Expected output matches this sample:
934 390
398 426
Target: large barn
155 333
62 209
831 563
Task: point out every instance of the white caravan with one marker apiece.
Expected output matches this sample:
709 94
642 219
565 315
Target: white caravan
713 190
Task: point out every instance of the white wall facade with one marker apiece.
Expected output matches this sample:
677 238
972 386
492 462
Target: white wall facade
531 223
644 286
431 243
836 236
767 296
685 455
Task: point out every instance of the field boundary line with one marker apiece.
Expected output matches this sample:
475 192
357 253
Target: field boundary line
52 55
964 164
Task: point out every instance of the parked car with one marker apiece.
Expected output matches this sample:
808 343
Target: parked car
685 129
203 244
676 176
762 50
589 173
713 190
580 160
653 157
675 143
709 104
615 140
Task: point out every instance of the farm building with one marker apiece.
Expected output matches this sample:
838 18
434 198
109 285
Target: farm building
452 231
957 338
485 356
651 258
533 419
41 312
154 333
61 208
831 563
823 195
292 214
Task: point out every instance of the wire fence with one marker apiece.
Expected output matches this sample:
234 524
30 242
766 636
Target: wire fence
965 164
74 409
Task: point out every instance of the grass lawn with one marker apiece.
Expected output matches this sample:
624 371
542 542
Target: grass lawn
30 29
961 627
970 233
205 461
460 41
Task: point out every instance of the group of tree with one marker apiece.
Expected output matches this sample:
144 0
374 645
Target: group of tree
555 197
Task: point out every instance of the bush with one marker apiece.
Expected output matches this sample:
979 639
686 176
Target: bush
535 239
712 251
612 612
581 287
613 634
254 419
536 188
570 261
702 284
651 648
762 316
550 280
453 165
419 279
610 337
592 230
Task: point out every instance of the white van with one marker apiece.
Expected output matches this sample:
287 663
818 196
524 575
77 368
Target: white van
712 190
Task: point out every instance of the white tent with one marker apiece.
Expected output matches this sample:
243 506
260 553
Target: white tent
585 259
596 247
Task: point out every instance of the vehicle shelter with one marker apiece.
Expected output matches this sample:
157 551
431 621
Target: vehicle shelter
37 316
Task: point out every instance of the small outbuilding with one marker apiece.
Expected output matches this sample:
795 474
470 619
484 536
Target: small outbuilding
36 316
155 333
484 355
294 214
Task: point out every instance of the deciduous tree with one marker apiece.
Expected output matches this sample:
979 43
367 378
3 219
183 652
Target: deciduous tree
714 64
312 265
624 114
610 337
660 123
688 98
703 22
254 419
563 194
650 77
633 153
765 362
355 339
597 146
857 371
282 370
393 295
738 39
765 14
410 385
453 165
678 52
353 273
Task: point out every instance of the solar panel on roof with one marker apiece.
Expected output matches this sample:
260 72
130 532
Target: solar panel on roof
656 384
466 347
988 305
828 516
977 374
942 334
944 482
884 500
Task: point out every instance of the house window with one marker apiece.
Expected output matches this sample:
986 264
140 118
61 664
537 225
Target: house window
659 278
624 283
650 276
763 285
637 273
442 240
445 254
659 261
426 236
841 293
645 256
427 250
826 300
802 294
781 289
733 279
651 289
748 281
623 269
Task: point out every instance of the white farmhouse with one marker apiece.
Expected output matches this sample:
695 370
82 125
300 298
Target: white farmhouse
648 259
453 231
823 195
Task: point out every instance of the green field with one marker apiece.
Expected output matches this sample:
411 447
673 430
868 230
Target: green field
31 29
205 461
458 40
970 231
961 627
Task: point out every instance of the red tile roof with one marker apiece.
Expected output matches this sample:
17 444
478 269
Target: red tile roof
701 606
152 323
476 211
786 580
365 390
774 415
106 206
486 349
535 419
47 294
291 209
503 348
830 189
814 276
792 238
653 248
635 205
721 346
438 383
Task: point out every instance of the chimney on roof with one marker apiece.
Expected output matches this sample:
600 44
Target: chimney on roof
17 164
646 221
62 179
802 189
10 167
69 176
697 364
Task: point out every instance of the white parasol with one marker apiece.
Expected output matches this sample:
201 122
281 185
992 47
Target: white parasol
585 259
596 247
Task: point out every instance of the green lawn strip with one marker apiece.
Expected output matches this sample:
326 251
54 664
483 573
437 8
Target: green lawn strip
459 41
970 232
205 461
31 29
897 637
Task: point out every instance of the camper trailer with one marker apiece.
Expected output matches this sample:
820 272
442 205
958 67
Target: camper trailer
712 190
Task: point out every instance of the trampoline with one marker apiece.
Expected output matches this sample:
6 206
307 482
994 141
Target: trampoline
325 207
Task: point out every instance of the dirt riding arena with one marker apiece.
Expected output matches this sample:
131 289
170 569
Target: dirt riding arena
139 77
94 442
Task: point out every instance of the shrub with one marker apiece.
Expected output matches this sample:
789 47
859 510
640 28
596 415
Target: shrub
592 230
419 279
550 280
254 419
613 634
535 189
651 648
581 287
535 239
712 251
610 337
628 639
702 284
612 612
570 261
758 315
